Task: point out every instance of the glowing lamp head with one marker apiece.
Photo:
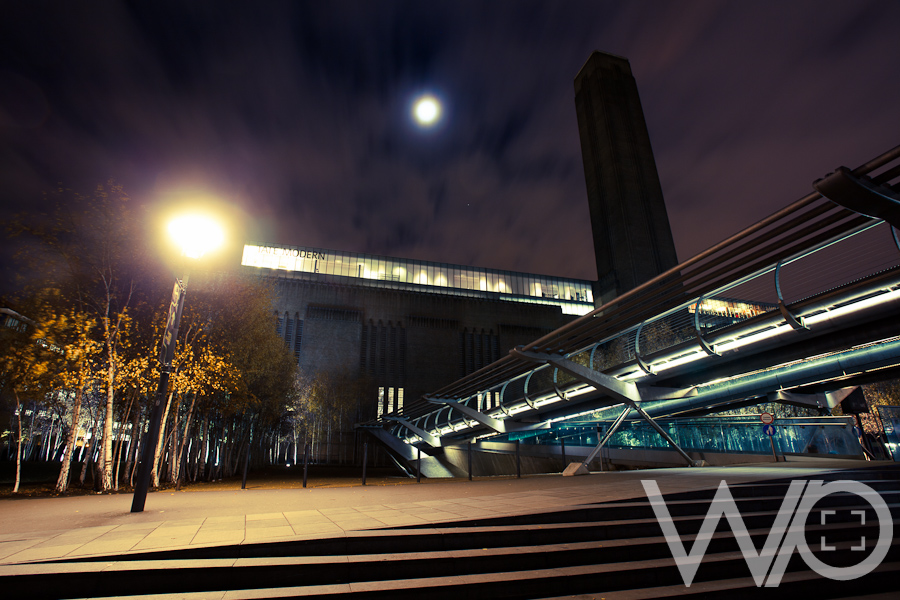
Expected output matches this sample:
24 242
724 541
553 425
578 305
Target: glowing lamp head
427 110
196 235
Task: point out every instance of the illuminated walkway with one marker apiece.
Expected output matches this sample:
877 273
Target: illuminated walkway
798 309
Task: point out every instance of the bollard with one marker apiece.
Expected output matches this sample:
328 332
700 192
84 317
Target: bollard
518 462
418 465
470 460
365 459
246 464
562 443
305 462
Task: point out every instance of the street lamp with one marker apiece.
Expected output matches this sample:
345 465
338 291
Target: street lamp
196 235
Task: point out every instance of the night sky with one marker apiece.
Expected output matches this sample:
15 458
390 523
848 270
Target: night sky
299 113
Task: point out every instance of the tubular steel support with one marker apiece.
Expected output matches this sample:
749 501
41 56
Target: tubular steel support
666 437
468 411
497 425
612 429
622 392
431 440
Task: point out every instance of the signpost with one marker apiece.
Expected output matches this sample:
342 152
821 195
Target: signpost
769 429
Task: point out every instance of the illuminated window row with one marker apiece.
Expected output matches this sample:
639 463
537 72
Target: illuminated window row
731 308
387 398
573 295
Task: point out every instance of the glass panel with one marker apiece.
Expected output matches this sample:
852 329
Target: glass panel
440 277
571 295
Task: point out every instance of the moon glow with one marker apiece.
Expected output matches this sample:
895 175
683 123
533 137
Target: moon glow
427 111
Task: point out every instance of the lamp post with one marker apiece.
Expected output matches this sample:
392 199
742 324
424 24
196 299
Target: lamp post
196 235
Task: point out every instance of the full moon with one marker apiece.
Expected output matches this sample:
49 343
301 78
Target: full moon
427 110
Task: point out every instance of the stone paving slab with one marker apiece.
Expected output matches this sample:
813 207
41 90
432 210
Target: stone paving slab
53 528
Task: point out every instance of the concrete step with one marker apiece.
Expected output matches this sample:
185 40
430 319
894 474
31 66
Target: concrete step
774 488
167 575
595 550
616 511
724 574
796 584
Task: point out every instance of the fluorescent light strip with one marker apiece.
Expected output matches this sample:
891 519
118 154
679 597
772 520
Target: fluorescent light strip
675 362
753 338
852 308
579 392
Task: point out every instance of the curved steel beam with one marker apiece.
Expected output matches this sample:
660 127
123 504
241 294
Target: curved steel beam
861 195
705 346
789 317
503 393
528 400
559 393
637 350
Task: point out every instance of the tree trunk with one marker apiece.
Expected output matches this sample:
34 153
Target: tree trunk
196 451
225 462
154 475
62 482
46 436
90 451
211 451
106 457
184 440
328 444
173 443
117 456
18 446
30 446
202 450
55 455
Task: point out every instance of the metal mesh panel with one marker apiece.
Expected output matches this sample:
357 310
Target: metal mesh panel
864 254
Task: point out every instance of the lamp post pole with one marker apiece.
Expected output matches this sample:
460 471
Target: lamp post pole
166 354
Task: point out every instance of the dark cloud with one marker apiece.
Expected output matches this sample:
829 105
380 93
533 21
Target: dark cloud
299 113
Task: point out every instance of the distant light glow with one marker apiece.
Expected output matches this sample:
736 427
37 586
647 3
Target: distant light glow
427 110
196 234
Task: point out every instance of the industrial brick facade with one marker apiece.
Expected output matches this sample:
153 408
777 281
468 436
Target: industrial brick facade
398 339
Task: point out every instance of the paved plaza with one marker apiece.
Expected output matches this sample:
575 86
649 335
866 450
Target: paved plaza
40 529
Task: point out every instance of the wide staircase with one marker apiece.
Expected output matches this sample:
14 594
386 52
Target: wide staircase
608 550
